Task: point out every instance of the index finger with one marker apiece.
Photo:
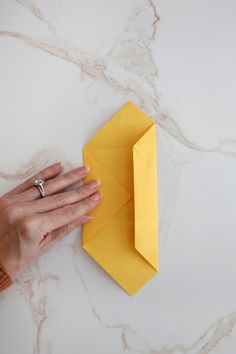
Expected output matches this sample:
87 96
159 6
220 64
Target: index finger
54 219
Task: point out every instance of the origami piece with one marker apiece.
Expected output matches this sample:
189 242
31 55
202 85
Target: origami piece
123 237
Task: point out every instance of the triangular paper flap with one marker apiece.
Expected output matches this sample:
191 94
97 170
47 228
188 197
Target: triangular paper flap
118 162
114 197
145 196
113 249
124 129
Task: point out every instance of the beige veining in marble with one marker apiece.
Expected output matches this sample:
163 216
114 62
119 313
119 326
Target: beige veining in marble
171 315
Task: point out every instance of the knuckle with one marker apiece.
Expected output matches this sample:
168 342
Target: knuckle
11 212
81 191
27 225
72 211
59 200
4 203
71 177
89 203
56 201
66 229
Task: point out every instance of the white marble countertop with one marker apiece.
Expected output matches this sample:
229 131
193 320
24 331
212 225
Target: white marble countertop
65 68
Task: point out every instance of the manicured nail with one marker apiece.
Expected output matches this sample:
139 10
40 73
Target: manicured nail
94 183
86 218
59 164
84 169
96 196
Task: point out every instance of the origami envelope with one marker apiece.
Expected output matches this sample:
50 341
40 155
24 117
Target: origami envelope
122 238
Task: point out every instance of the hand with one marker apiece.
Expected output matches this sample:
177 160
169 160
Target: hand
30 225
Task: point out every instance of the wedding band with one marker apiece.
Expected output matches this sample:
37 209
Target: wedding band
39 184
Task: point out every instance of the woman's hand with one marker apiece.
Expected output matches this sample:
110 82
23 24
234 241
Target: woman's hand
29 224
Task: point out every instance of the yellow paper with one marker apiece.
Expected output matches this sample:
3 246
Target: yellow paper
123 237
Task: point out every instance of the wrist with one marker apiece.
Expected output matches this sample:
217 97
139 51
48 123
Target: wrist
5 279
11 266
7 262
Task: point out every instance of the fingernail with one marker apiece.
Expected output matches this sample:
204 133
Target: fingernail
96 196
84 169
94 183
86 218
59 164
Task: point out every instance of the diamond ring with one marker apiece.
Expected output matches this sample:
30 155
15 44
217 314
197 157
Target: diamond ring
39 184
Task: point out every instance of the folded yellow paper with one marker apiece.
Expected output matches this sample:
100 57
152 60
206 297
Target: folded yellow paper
123 237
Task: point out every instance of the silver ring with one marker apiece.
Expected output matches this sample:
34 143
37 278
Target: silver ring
39 184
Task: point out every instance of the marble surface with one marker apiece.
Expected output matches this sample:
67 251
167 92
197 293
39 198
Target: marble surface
65 68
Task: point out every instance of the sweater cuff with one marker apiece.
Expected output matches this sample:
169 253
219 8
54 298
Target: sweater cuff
5 280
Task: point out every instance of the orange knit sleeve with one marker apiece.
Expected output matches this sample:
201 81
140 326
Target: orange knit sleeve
5 280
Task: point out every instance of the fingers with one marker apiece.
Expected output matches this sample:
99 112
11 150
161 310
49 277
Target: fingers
62 231
62 199
54 219
49 172
56 185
